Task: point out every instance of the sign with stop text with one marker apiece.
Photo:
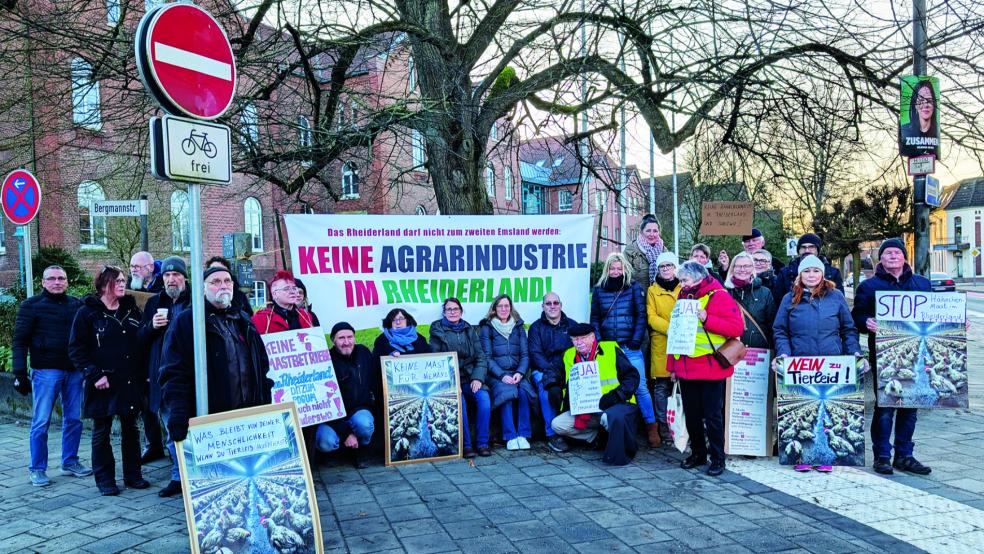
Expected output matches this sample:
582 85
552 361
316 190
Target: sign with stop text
302 372
584 386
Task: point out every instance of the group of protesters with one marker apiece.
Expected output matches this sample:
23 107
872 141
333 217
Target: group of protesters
106 358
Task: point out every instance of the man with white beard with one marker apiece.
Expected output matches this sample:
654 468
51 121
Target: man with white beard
236 359
142 274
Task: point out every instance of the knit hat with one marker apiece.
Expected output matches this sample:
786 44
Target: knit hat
580 330
809 238
213 270
341 326
174 263
667 258
808 262
893 243
755 234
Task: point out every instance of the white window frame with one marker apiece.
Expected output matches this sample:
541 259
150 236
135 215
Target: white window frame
507 181
411 74
490 181
565 200
86 110
350 182
88 192
417 150
253 222
305 137
494 132
180 222
250 122
259 293
354 119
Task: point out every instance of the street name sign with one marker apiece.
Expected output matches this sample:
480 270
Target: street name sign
20 197
188 150
119 208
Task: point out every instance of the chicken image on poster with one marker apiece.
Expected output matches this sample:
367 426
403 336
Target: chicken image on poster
820 418
423 407
247 485
921 350
302 372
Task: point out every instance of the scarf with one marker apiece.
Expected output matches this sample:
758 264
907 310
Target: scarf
739 283
401 339
652 252
667 285
504 329
613 284
458 327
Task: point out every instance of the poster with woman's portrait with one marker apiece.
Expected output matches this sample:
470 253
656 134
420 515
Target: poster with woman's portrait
919 116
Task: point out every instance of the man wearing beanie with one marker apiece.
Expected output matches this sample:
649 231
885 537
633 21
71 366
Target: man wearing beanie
159 311
358 383
892 273
807 244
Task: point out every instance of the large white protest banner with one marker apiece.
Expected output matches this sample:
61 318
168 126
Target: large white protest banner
302 372
747 406
584 385
681 337
359 267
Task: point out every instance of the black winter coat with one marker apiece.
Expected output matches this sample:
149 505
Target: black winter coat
152 340
360 386
547 345
757 301
619 315
506 357
787 276
864 299
472 364
177 373
42 329
104 344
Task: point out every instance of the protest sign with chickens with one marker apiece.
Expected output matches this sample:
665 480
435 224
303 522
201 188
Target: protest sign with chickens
302 372
921 349
423 407
246 483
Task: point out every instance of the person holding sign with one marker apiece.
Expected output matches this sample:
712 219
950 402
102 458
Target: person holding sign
451 333
283 314
702 378
659 306
892 273
506 348
814 320
618 313
616 410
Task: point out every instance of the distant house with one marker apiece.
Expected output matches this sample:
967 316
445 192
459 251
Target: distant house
955 229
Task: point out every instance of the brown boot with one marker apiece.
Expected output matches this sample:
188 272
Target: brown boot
652 430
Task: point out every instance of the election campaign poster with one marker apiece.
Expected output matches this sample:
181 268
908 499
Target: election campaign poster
921 349
747 411
584 388
302 372
919 116
363 266
820 418
423 407
681 336
246 483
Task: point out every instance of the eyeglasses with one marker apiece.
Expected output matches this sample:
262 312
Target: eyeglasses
452 310
743 266
59 278
923 100
134 267
227 282
287 289
666 267
399 318
761 261
552 303
120 281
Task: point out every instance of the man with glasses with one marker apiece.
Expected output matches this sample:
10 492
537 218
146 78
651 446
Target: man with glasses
548 340
236 359
751 243
42 328
807 244
143 278
283 314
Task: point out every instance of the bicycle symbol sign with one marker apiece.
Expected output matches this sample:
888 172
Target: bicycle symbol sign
192 151
196 142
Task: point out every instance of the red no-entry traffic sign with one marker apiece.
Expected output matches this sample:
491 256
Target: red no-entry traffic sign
20 197
185 61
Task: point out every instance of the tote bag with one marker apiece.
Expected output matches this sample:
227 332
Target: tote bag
675 419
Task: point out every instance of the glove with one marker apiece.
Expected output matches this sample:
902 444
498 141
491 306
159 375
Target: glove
177 429
608 400
22 384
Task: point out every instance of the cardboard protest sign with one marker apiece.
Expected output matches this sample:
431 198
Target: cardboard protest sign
747 411
246 482
820 419
423 407
921 350
726 218
584 388
302 372
681 336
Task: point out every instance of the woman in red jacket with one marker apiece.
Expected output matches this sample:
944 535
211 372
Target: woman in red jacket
701 377
284 313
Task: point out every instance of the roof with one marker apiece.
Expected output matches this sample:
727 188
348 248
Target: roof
968 193
552 161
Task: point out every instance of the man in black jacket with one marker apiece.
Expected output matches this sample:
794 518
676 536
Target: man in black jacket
548 340
42 328
159 311
236 360
353 369
808 244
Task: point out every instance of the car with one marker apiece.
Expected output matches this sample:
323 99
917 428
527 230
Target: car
849 281
942 282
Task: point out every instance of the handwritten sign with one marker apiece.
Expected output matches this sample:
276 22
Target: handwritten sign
681 337
726 218
747 406
231 440
302 372
414 371
819 370
584 386
936 307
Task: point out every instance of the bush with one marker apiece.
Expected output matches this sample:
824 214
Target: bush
55 255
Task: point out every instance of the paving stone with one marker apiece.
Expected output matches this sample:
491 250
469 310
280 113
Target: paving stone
551 544
487 545
416 527
471 528
374 542
639 534
427 544
698 537
760 540
364 526
580 531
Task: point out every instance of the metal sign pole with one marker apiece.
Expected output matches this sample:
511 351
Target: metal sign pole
28 264
198 298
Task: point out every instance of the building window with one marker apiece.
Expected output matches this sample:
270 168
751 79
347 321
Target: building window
411 74
92 228
180 222
604 232
250 122
113 11
599 200
421 210
494 132
3 237
259 296
507 181
490 181
957 230
85 96
340 116
307 208
355 114
305 139
350 182
417 148
253 222
532 197
565 200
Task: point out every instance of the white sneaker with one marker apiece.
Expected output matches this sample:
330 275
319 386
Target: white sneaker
512 444
523 443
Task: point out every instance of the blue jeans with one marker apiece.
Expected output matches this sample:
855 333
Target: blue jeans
483 411
48 385
361 424
661 391
506 412
643 398
546 408
881 432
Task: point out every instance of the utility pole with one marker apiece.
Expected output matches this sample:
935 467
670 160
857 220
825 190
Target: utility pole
920 209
